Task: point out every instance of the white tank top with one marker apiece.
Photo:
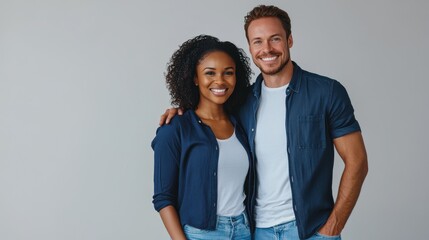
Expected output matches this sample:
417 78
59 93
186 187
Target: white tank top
274 197
232 170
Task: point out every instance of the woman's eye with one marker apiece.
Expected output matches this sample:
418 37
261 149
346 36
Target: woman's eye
229 73
210 73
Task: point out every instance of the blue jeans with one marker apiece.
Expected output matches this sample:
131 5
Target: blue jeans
287 231
236 228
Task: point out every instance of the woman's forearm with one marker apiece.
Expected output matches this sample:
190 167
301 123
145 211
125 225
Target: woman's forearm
172 224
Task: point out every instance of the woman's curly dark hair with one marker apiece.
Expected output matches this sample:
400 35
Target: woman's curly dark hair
181 71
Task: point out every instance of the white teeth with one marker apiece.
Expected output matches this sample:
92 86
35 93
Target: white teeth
269 58
218 90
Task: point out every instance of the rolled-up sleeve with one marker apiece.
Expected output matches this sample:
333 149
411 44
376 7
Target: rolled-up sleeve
166 147
342 120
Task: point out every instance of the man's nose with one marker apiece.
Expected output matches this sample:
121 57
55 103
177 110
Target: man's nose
267 47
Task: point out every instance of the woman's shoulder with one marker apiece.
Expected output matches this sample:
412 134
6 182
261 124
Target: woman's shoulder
172 133
177 123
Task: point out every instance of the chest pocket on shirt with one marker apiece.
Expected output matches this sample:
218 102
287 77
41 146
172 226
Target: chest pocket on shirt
312 132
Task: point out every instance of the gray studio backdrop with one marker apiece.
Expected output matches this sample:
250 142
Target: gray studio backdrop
82 89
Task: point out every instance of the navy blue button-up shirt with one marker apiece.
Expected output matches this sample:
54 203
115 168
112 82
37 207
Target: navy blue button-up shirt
186 161
318 110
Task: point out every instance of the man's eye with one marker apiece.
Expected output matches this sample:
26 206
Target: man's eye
257 42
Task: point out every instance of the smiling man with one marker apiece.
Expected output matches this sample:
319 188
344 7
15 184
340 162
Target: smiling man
294 119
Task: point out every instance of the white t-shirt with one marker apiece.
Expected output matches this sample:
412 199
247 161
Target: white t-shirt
274 197
233 166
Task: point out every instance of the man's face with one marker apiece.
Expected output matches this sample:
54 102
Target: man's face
269 45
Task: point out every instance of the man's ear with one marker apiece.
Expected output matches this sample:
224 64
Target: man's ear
290 41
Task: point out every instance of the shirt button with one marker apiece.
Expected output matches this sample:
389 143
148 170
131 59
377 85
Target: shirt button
288 150
253 129
214 204
295 208
199 121
214 174
291 178
216 148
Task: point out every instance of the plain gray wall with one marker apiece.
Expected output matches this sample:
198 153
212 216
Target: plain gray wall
82 89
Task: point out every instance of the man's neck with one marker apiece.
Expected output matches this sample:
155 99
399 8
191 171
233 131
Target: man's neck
279 79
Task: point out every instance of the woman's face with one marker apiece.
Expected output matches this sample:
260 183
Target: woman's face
215 78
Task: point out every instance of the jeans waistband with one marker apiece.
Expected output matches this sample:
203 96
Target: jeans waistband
242 218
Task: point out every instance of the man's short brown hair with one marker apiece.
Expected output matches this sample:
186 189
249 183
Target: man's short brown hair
262 11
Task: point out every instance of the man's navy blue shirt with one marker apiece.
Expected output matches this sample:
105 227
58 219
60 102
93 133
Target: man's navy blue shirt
318 110
186 163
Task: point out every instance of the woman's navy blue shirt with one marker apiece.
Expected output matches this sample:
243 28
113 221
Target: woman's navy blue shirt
185 176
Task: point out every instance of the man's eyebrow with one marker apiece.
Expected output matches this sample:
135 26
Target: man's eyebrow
274 35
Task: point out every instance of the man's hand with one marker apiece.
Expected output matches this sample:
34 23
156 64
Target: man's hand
169 114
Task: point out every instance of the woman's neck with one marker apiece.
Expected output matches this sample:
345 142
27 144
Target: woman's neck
217 119
211 112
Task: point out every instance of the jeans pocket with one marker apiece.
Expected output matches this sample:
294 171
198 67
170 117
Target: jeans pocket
322 236
193 230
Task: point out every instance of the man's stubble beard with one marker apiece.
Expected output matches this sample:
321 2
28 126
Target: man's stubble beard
277 70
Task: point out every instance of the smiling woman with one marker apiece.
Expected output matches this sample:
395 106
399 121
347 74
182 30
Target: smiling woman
215 78
182 71
202 159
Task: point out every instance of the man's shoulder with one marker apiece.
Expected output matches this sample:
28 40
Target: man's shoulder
317 84
315 78
324 84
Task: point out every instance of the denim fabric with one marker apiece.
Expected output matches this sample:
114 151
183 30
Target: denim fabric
236 228
322 237
287 231
279 232
318 110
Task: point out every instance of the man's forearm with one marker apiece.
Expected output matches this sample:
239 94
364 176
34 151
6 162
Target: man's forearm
352 150
348 194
